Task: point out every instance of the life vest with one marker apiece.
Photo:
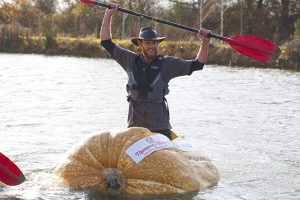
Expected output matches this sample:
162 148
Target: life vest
145 81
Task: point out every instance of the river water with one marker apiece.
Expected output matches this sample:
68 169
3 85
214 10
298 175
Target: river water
246 120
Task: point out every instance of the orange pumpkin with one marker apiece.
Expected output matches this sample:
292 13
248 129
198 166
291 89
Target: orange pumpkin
100 162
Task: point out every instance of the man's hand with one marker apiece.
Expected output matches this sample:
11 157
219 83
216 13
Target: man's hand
112 11
105 32
202 34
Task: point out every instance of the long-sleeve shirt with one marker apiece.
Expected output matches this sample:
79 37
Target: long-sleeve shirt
151 115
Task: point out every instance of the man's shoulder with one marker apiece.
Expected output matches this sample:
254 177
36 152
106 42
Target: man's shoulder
169 60
123 52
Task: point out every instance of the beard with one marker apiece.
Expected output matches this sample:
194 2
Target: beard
150 53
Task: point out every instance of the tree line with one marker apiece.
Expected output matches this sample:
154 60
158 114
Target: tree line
276 20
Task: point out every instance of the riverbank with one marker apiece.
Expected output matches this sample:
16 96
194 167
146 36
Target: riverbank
219 54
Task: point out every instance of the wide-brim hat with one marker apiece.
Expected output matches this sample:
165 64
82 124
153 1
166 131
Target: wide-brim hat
147 33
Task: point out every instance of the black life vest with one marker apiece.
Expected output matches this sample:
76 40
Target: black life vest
145 81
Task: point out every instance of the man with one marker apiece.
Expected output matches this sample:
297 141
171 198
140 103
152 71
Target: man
149 74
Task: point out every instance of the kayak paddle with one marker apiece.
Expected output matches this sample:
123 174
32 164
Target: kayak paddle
10 174
251 46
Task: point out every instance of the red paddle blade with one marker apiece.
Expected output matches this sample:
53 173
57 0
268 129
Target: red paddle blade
10 174
254 47
87 1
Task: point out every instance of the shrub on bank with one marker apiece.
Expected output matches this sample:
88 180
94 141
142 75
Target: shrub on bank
15 40
10 37
291 55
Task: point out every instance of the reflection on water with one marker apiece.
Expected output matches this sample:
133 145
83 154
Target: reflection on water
245 120
98 196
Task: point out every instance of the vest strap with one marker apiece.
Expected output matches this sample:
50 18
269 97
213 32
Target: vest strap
141 88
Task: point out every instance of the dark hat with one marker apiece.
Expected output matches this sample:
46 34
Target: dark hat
147 33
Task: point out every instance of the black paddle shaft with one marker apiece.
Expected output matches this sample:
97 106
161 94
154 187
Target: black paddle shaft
155 19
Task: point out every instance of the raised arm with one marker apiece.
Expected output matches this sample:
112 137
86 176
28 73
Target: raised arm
105 32
203 51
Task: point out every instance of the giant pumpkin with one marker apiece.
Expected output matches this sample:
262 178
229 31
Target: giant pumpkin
100 163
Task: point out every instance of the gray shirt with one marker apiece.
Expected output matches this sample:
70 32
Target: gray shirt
154 116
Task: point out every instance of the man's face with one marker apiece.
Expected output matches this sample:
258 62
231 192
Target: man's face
149 48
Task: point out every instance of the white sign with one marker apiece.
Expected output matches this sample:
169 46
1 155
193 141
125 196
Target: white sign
183 145
139 150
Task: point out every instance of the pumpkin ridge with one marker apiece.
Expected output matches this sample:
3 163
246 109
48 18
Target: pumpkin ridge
156 182
93 157
84 165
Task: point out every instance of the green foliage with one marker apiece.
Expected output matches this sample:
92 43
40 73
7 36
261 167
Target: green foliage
79 20
47 7
297 31
27 15
181 14
292 54
10 37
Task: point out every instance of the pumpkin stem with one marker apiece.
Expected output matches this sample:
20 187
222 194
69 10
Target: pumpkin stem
115 181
